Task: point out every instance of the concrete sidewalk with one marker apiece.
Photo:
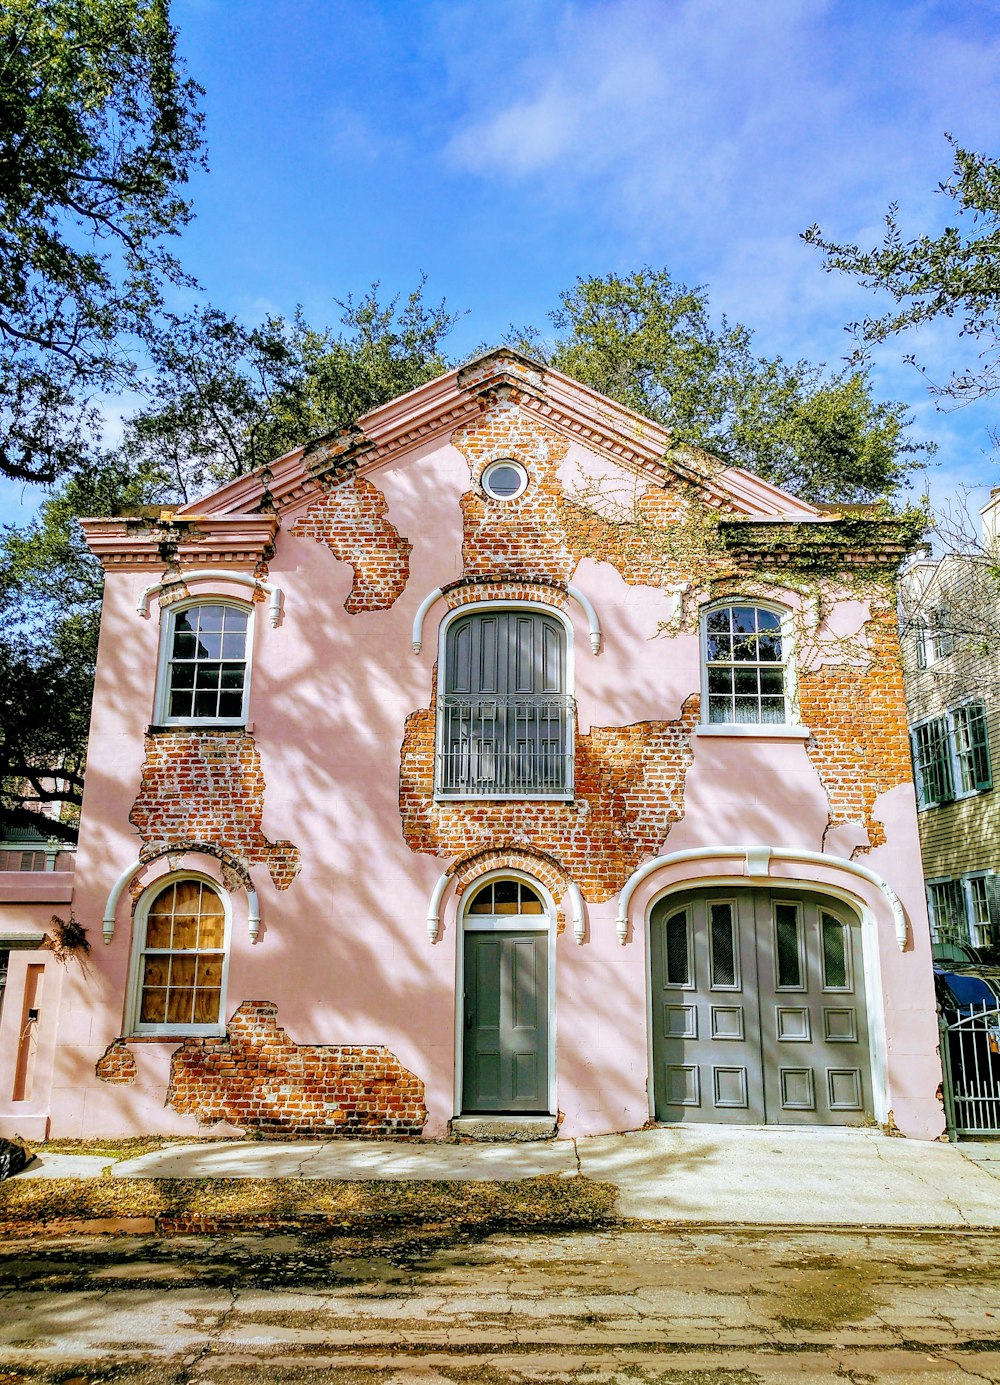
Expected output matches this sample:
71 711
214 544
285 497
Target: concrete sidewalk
685 1174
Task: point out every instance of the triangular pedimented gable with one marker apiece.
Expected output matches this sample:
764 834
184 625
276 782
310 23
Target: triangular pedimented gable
559 402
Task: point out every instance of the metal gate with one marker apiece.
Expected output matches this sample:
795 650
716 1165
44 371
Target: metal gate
970 1058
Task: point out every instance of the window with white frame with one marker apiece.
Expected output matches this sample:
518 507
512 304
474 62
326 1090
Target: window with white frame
942 631
965 912
204 664
180 966
745 662
951 755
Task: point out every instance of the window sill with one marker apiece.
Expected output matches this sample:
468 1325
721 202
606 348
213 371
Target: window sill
158 727
959 798
503 798
175 1037
757 731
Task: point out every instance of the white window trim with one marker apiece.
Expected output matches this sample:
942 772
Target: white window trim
502 605
495 465
973 923
791 728
956 765
162 697
133 1025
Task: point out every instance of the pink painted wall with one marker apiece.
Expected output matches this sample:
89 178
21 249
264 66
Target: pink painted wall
344 951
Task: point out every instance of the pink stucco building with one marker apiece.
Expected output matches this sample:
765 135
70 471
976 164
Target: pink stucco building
497 761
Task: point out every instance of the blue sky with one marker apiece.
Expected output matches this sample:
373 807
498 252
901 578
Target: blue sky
505 149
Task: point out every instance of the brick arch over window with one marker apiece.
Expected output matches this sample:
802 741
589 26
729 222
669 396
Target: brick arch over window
503 587
545 868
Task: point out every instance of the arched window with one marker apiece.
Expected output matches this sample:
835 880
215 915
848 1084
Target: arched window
204 664
745 654
505 719
180 966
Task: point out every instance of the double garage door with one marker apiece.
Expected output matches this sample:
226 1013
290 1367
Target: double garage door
759 1012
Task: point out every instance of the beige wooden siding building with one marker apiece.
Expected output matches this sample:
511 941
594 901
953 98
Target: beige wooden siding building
951 614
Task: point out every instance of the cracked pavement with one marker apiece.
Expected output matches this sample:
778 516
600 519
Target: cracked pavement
637 1303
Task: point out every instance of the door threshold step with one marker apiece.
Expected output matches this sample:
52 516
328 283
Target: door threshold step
488 1128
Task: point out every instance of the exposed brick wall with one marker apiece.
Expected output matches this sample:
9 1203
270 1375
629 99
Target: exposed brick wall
523 536
629 792
857 716
117 1065
257 1079
508 855
350 518
207 787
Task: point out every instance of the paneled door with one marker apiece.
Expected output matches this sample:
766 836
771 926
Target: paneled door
505 1017
706 1022
759 1010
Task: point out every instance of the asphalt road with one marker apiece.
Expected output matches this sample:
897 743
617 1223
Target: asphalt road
639 1304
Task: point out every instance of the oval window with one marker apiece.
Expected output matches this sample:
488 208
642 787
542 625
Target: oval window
505 480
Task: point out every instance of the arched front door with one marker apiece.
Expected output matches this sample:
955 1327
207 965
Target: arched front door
505 1002
758 1009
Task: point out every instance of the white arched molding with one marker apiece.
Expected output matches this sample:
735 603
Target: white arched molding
434 908
758 864
574 593
129 874
242 579
437 897
576 912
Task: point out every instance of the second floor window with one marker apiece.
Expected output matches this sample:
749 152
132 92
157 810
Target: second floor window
505 718
205 671
745 666
951 755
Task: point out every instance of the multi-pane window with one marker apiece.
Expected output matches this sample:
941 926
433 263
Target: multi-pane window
951 755
745 665
182 959
942 632
965 912
206 669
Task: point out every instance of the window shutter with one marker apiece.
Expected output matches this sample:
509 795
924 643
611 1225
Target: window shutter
936 783
993 901
978 742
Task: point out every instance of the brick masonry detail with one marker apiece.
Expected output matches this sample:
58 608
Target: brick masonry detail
258 1079
350 518
207 788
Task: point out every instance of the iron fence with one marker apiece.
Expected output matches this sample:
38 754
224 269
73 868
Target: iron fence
970 1057
505 745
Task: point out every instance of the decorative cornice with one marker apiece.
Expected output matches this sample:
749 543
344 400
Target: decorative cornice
440 407
237 540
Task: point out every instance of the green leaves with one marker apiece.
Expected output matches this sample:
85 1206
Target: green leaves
650 344
229 399
955 274
98 133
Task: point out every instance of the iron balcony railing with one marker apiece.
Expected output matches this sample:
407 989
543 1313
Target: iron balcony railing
507 746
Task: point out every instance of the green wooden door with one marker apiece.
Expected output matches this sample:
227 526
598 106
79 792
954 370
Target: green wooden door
505 1014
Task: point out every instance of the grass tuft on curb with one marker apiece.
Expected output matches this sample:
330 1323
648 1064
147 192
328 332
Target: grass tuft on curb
550 1200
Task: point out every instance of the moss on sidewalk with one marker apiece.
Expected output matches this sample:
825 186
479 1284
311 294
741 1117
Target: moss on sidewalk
548 1201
